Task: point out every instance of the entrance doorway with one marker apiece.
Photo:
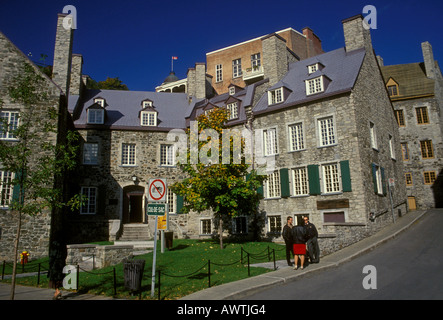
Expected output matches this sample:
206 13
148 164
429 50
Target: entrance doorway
133 204
411 203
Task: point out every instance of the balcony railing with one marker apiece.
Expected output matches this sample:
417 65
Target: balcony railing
254 72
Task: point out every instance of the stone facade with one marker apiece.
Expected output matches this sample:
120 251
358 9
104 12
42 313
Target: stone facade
36 230
418 101
364 155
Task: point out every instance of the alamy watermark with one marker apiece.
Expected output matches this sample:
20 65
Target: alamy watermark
370 19
370 281
70 21
247 147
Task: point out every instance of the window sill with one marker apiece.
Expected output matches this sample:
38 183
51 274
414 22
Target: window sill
329 145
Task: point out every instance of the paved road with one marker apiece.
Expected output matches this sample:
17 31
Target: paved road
407 267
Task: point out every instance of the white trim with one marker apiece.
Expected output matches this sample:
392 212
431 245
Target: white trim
258 38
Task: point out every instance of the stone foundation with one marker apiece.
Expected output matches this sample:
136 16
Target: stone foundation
104 256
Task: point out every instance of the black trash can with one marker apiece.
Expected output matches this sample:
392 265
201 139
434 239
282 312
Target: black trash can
169 236
133 272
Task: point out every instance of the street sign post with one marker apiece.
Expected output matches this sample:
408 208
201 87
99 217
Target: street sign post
157 196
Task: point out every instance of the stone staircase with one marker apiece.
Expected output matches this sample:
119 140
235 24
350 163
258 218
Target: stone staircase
137 235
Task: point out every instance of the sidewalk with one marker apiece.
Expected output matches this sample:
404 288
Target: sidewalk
284 273
242 288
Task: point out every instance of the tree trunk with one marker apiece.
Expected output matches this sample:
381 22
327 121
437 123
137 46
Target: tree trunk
16 243
220 231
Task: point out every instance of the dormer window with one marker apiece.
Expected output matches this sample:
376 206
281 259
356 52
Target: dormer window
231 91
148 118
312 68
392 87
100 102
233 110
96 116
314 85
275 96
146 103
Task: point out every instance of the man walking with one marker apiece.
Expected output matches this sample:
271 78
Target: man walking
312 243
287 236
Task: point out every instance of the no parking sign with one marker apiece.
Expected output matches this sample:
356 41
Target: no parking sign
157 190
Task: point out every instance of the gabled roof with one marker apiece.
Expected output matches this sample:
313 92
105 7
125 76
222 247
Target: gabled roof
123 109
411 79
340 67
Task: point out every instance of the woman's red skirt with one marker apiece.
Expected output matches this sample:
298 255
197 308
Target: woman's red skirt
299 248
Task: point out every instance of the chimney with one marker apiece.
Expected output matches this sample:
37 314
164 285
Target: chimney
357 34
197 81
76 74
380 61
275 61
428 57
61 70
313 43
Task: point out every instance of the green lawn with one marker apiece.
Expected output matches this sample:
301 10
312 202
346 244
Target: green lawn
184 269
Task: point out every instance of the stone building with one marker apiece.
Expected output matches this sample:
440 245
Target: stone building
35 230
416 91
323 121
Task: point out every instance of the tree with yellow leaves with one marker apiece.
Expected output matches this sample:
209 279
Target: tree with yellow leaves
222 179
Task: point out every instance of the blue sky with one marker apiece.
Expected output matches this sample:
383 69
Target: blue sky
135 40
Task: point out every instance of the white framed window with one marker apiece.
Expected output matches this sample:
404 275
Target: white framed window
89 205
272 185
205 226
296 137
171 201
391 147
274 224
9 121
255 61
148 118
312 68
167 155
314 85
300 181
233 110
236 68
239 225
100 101
128 154
219 72
6 188
275 96
231 91
373 135
326 131
270 142
147 103
330 178
96 116
90 153
378 179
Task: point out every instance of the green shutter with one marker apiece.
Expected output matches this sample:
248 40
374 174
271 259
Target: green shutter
179 203
284 183
383 180
314 179
260 190
374 177
16 188
345 176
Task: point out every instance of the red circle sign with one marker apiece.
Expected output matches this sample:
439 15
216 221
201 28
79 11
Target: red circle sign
157 190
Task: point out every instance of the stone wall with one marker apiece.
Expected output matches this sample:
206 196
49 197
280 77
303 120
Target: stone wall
36 229
426 195
104 256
